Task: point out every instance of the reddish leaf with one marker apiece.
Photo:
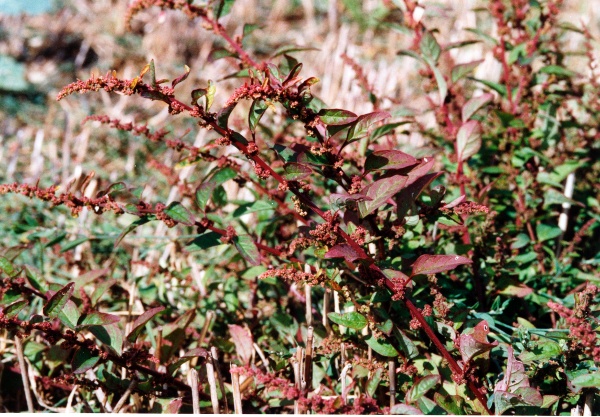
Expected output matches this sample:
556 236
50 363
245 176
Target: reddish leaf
140 322
379 192
244 345
414 188
474 104
346 252
174 406
363 123
295 171
388 159
58 301
97 319
468 140
432 264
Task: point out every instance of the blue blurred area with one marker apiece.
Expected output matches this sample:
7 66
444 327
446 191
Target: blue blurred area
32 7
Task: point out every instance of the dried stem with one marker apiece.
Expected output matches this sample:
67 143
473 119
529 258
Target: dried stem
193 381
125 396
237 395
24 373
212 383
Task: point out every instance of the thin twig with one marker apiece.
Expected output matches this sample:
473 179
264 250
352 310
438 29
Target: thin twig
125 396
392 377
70 400
308 359
215 357
23 369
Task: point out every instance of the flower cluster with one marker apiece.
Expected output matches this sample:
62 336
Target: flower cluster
582 333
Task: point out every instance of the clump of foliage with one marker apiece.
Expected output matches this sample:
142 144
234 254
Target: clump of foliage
304 259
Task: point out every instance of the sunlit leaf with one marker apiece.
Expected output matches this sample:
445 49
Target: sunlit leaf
140 323
352 320
432 264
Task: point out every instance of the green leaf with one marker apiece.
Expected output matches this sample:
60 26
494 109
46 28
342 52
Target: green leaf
206 189
179 213
468 140
111 335
412 54
499 88
222 8
558 71
140 322
421 388
474 104
521 241
379 192
58 301
13 309
385 129
7 267
100 289
352 320
381 347
69 315
294 171
453 404
461 70
432 264
35 278
546 232
441 83
133 226
97 319
430 47
83 360
73 244
257 109
374 381
204 241
247 248
337 117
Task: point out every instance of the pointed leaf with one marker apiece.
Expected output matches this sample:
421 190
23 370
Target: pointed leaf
140 322
336 117
58 301
204 241
432 264
7 267
247 248
460 70
388 159
179 213
181 78
100 289
13 309
364 122
344 251
429 46
222 8
385 129
295 171
223 115
471 347
474 104
421 387
111 335
206 189
97 319
379 192
242 339
382 347
83 360
69 315
468 140
546 232
257 109
352 320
